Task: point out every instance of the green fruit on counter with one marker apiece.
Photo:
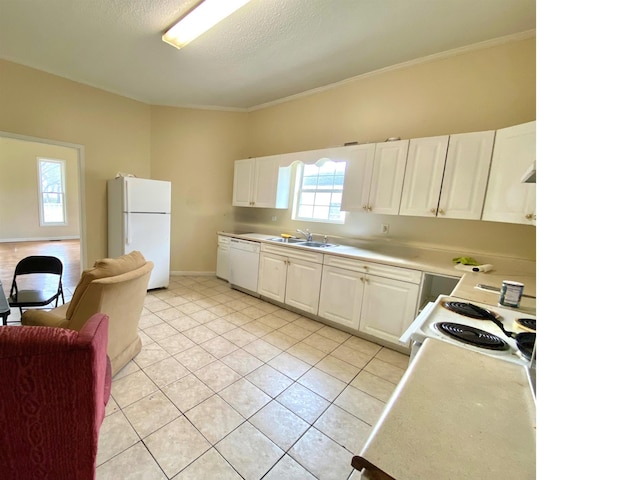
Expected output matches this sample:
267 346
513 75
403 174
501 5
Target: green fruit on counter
465 261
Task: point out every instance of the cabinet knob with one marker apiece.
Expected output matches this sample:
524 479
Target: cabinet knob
433 210
362 279
365 207
530 216
441 212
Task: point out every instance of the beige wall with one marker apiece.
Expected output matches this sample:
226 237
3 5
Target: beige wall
480 90
115 133
20 216
195 149
483 89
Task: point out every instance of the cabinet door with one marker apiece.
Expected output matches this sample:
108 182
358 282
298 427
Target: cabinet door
243 183
341 296
271 183
464 182
387 178
357 177
303 285
388 307
423 176
261 182
509 200
272 276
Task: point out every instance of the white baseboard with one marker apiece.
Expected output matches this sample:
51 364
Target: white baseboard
180 273
39 239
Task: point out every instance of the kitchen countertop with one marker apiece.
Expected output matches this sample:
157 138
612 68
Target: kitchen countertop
455 414
438 262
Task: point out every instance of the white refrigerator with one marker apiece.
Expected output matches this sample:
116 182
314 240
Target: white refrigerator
139 218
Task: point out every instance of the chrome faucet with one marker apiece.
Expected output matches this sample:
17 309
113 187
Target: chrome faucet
308 235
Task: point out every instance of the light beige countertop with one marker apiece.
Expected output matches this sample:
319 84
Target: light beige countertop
435 261
456 414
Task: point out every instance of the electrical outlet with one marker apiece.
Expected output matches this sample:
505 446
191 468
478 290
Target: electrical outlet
274 218
384 229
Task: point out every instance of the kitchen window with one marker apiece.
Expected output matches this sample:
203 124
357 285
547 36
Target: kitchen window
51 189
319 192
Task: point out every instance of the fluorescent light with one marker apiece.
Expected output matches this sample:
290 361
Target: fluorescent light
199 20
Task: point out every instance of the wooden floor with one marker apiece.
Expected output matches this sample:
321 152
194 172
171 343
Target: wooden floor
68 251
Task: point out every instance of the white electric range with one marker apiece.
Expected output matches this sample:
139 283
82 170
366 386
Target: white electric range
475 326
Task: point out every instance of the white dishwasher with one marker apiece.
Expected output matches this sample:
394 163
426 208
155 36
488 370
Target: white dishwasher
222 270
244 262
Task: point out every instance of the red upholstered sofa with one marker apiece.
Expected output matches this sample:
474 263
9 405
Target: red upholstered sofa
54 386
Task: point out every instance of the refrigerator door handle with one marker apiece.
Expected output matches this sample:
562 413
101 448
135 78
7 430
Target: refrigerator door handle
127 226
126 195
127 229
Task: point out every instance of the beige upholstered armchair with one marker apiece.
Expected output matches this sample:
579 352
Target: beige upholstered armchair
115 286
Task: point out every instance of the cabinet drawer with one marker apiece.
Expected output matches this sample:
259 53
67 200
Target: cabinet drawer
387 271
290 252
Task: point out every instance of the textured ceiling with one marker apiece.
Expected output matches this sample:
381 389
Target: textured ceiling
266 51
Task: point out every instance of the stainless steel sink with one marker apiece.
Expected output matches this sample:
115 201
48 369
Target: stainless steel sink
317 244
301 242
287 240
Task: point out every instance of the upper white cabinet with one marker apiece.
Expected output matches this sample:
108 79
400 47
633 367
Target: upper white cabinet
261 182
423 176
469 176
446 176
507 199
374 176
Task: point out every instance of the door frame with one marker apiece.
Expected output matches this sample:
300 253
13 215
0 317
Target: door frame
81 196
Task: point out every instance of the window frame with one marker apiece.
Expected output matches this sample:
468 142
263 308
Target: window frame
298 190
62 193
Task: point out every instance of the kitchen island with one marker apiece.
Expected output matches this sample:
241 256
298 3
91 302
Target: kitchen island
455 414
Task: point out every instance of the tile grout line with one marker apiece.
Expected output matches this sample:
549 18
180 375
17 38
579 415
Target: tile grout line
243 376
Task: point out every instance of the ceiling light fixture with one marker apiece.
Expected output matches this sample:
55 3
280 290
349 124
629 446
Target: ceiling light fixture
199 20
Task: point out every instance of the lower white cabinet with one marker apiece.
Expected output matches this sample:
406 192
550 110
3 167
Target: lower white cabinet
290 276
341 296
376 299
388 307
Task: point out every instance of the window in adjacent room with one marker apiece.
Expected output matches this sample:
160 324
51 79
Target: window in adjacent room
319 192
52 200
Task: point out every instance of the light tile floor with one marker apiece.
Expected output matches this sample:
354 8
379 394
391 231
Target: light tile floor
230 387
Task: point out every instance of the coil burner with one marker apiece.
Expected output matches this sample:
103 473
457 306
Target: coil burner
472 336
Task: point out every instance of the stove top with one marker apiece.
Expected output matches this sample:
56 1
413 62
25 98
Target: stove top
528 324
472 336
467 309
476 326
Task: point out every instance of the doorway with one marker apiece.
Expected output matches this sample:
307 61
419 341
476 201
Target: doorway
72 249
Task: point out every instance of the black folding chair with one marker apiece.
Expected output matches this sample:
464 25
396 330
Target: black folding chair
40 268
